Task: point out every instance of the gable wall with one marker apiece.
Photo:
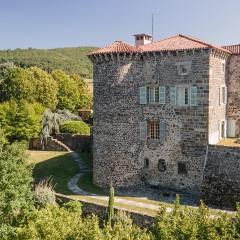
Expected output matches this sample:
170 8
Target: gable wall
233 83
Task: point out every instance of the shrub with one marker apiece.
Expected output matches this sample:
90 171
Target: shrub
15 184
75 127
44 194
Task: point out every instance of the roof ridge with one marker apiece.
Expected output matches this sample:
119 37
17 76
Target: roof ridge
204 43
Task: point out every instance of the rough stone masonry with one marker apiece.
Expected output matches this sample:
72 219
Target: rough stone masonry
157 107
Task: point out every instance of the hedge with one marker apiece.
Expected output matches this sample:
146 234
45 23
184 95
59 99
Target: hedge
75 127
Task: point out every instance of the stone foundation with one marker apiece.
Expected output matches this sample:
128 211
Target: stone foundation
221 182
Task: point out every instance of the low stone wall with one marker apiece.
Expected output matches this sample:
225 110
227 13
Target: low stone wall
76 142
221 181
141 220
52 145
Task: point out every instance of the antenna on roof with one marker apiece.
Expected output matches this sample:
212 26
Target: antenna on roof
153 14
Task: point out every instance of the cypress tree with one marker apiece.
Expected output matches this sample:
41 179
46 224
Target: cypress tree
110 210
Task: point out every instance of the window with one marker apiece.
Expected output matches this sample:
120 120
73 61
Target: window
223 66
183 96
182 168
146 163
153 94
162 165
184 68
154 129
187 96
223 95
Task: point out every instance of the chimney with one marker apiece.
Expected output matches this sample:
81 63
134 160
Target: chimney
142 39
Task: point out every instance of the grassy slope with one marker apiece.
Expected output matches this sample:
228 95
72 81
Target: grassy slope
58 166
71 60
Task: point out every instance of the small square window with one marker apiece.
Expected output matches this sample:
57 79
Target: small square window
182 168
162 165
183 69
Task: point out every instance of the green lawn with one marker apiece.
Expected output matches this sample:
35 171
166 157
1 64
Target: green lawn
58 166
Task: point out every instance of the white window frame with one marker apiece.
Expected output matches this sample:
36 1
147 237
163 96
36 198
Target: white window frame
223 95
181 91
153 99
223 66
181 96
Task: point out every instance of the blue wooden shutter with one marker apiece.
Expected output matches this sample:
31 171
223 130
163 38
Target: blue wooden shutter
193 96
162 130
143 130
143 95
173 96
162 95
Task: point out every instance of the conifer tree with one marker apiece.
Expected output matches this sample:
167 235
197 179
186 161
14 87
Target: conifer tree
110 212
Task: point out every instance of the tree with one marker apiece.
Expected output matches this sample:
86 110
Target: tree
15 184
20 121
45 86
85 98
110 212
16 84
68 93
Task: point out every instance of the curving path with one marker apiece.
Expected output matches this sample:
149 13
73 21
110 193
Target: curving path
73 186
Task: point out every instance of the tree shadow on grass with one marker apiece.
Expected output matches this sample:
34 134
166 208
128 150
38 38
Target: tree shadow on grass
60 169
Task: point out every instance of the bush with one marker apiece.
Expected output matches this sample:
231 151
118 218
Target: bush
44 194
75 127
15 184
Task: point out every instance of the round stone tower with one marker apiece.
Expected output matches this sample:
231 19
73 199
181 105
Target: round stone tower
115 129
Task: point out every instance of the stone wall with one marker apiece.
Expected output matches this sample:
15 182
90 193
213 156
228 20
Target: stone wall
76 142
234 91
118 150
217 109
52 145
221 183
141 220
64 142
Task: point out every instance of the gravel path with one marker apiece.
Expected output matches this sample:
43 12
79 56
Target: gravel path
73 186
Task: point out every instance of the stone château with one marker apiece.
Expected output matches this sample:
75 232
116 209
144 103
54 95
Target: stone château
158 106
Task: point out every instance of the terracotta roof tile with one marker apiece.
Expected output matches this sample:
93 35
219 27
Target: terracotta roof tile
179 42
234 49
116 47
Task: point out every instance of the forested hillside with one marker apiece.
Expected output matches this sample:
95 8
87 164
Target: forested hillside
70 60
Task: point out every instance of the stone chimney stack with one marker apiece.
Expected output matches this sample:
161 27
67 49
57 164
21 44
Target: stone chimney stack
142 39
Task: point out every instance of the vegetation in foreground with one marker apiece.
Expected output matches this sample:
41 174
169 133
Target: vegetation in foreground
32 213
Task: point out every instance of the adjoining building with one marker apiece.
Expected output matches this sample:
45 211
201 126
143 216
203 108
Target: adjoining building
158 106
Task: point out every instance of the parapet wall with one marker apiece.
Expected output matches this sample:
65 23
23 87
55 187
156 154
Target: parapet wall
221 180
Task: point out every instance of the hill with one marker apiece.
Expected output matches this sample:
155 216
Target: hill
71 60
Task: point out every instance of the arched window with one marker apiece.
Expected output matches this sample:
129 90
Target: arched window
162 165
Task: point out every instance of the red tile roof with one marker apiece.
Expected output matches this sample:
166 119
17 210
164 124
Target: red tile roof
179 42
116 47
234 49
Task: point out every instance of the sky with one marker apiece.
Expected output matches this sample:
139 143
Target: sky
72 23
